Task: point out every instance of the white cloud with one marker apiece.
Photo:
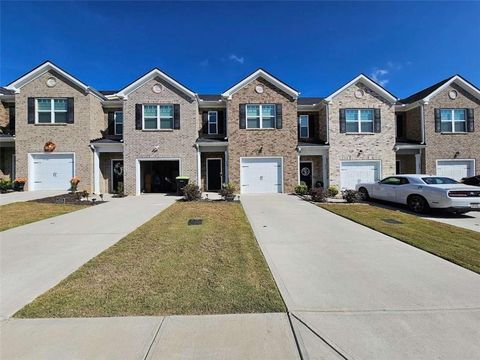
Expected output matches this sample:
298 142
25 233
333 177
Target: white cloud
238 59
378 75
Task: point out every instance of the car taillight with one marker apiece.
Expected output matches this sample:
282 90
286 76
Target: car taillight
464 193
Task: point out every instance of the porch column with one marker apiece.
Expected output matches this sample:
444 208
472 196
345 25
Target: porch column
199 167
96 171
325 170
226 165
418 162
298 168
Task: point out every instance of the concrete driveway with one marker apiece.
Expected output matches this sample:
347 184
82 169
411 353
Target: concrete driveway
35 257
358 294
17 196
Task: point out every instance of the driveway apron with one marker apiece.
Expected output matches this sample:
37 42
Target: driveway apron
35 257
357 294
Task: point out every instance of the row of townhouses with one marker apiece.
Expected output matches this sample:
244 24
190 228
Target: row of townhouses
259 134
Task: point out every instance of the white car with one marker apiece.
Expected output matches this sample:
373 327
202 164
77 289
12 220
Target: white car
422 192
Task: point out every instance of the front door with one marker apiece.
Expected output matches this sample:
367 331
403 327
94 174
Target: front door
306 173
117 175
214 174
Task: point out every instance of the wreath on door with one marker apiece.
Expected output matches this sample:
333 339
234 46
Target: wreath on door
49 146
305 171
118 169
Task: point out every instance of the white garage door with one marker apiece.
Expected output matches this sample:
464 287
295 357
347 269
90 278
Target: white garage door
51 171
261 175
456 169
354 172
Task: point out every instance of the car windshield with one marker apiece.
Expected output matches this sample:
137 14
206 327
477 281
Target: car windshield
438 180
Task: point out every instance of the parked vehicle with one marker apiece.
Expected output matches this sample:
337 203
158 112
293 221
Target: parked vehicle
422 192
472 180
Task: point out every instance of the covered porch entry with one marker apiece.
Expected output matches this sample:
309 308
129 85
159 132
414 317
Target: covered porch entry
313 165
409 158
107 166
212 162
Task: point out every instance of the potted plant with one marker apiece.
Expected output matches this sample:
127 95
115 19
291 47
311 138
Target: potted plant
19 184
74 183
5 185
228 191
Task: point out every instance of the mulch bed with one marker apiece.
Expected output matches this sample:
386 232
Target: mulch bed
70 198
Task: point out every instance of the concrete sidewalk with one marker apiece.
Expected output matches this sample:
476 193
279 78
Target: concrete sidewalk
361 294
17 196
235 337
35 257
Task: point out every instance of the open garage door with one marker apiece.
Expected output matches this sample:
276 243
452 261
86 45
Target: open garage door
158 176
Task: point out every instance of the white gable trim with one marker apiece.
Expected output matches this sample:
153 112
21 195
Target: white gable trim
261 73
44 68
149 76
460 81
367 82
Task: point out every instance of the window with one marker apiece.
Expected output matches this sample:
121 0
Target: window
157 117
359 120
303 125
51 111
453 120
118 122
437 180
260 116
212 122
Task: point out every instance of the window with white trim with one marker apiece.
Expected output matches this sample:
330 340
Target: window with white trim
51 111
303 126
453 120
212 122
359 120
261 116
158 117
118 122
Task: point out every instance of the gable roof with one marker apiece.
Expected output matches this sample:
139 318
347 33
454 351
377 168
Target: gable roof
369 83
41 69
152 74
427 93
267 76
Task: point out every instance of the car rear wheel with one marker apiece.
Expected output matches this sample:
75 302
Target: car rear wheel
363 194
417 204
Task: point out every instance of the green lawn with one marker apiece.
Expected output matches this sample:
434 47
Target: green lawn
21 213
458 245
167 267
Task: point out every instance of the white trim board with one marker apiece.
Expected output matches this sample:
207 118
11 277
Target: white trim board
261 73
367 82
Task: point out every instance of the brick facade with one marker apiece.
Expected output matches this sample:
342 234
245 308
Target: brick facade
162 144
74 138
266 142
377 146
445 146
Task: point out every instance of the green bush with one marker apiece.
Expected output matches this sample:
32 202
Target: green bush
332 191
318 194
301 189
191 192
351 196
5 185
228 191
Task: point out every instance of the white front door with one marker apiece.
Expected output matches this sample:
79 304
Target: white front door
261 175
456 169
51 171
354 172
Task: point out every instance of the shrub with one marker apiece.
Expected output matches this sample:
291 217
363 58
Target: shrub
351 196
5 185
332 191
301 189
318 194
191 192
228 191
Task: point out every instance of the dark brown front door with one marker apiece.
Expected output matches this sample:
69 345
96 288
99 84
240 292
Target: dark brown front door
306 173
117 175
214 174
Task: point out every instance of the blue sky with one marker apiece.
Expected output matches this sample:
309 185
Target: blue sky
313 46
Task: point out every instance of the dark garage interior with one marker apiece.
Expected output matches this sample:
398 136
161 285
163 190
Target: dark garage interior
158 176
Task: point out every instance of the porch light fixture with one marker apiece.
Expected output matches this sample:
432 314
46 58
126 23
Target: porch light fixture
456 154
